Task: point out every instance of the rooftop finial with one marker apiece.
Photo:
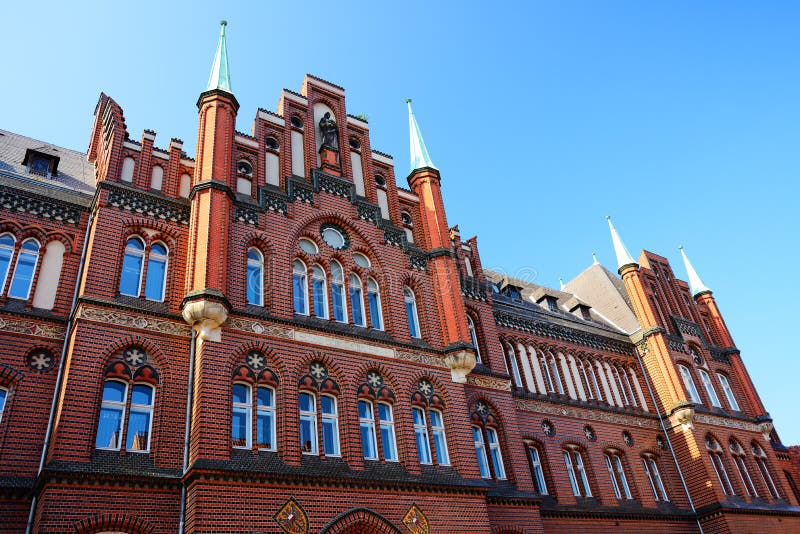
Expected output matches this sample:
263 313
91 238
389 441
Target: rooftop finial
220 77
419 153
696 286
623 256
594 259
561 284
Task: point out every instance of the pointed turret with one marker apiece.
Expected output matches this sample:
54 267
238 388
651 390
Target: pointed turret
696 286
419 153
220 77
623 256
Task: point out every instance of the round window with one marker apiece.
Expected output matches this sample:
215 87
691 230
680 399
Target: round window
355 144
296 122
271 142
333 237
308 246
361 260
244 167
406 218
380 180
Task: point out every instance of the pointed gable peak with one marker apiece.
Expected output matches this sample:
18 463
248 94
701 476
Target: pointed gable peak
696 286
419 153
220 77
623 256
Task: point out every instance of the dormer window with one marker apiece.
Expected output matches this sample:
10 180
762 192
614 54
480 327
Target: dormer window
552 303
584 312
513 291
40 164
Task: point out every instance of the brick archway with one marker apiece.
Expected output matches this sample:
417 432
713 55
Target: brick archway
359 521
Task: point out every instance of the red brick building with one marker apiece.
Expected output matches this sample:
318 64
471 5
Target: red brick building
276 337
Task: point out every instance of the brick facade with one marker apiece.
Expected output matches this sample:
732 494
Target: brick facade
549 373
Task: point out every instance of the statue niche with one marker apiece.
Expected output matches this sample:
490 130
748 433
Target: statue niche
330 132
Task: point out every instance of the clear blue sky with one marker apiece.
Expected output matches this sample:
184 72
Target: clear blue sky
680 119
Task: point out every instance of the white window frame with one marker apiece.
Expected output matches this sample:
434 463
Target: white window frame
358 287
332 418
368 423
511 354
311 416
247 407
259 264
142 408
654 478
304 278
11 249
480 451
438 431
616 472
688 382
577 472
760 458
715 454
271 411
158 256
388 425
473 334
726 388
338 284
117 405
139 253
318 275
709 387
20 253
535 457
738 454
410 298
496 453
421 429
371 283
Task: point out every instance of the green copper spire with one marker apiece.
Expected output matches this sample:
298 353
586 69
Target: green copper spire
419 154
696 286
220 77
623 256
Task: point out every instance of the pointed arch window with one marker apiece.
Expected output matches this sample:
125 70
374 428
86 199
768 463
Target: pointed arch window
330 425
7 243
715 454
300 287
480 451
308 423
439 438
388 439
411 312
556 375
357 300
591 376
709 387
337 292
421 435
156 272
255 277
319 292
511 357
487 442
654 478
535 456
620 385
738 454
576 469
688 382
130 281
22 280
760 458
366 421
474 337
616 472
374 302
428 419
726 388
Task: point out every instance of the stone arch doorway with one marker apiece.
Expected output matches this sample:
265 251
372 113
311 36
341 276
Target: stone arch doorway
359 521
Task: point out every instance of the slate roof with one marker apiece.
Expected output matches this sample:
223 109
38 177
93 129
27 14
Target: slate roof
75 171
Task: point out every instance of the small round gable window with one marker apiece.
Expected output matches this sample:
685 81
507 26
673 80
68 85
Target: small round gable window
296 122
244 167
271 142
333 237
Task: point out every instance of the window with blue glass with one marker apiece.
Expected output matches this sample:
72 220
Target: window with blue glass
141 418
337 292
357 300
112 413
308 423
411 312
110 428
130 281
3 397
7 243
22 280
300 287
330 425
366 421
374 303
156 272
242 417
319 291
421 435
255 277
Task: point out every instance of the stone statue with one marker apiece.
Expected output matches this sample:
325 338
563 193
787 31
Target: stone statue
330 132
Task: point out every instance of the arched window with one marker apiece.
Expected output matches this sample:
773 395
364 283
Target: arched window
485 436
337 292
715 454
428 420
185 186
3 397
369 443
308 246
536 458
319 292
688 382
242 418
357 300
411 312
421 435
112 416
130 281
555 374
590 376
7 243
157 178
620 386
511 357
49 275
266 434
156 272
439 438
22 280
726 388
738 454
617 474
579 481
255 277
128 166
300 287
325 416
474 337
374 302
761 461
709 387
654 477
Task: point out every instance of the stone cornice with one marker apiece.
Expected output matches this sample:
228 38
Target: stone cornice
641 421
